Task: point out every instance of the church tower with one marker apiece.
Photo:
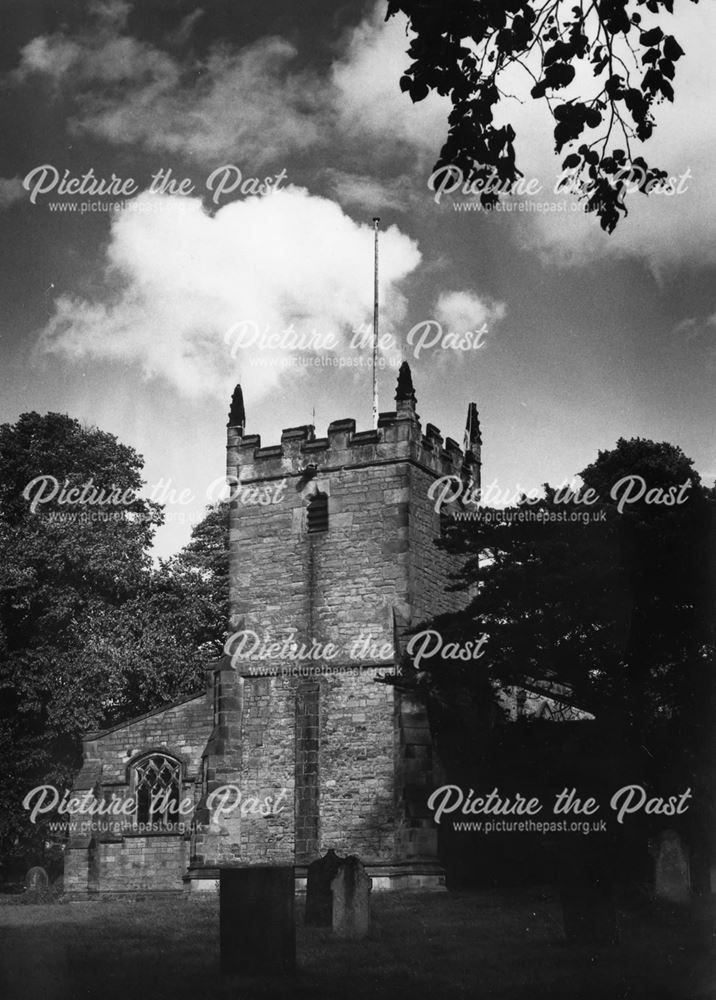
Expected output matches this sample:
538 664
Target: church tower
297 744
331 562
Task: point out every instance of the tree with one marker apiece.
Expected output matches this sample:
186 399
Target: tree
603 589
549 594
667 555
90 633
206 559
161 640
662 547
74 537
602 594
464 49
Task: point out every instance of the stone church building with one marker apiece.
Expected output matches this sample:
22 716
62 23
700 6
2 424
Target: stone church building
299 747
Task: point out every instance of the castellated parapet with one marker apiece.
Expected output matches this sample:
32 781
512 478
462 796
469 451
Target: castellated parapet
398 438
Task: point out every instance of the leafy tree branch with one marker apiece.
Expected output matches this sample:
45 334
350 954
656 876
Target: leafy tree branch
463 48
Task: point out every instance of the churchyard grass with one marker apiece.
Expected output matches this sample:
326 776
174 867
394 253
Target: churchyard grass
501 944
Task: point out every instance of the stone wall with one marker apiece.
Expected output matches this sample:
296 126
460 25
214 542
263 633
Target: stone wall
357 767
431 568
268 728
347 740
104 856
181 730
306 776
143 864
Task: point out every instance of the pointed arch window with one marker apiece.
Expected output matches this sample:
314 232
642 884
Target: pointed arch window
157 788
317 513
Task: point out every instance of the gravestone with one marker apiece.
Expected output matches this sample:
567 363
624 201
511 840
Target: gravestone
350 889
36 881
588 908
319 900
671 880
256 918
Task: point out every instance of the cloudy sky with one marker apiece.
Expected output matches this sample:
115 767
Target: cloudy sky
240 150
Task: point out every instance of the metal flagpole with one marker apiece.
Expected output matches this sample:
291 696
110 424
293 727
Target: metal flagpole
376 221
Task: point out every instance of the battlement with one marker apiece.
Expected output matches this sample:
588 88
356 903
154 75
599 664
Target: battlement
399 437
343 446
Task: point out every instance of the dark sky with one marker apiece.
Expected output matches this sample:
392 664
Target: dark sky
124 318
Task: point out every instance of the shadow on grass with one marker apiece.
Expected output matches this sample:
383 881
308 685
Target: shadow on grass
506 945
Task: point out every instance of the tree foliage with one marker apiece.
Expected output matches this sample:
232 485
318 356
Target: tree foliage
90 632
613 600
602 66
65 566
163 638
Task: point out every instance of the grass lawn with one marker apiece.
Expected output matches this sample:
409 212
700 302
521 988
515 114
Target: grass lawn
502 944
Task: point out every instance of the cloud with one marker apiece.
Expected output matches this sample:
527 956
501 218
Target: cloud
370 193
461 321
256 107
246 106
52 57
196 289
252 102
368 98
11 190
81 63
463 311
186 26
696 333
112 12
693 327
249 103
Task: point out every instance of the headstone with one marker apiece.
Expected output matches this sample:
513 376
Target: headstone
351 900
588 908
319 900
256 916
671 880
36 881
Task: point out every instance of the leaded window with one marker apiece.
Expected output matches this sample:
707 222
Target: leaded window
157 789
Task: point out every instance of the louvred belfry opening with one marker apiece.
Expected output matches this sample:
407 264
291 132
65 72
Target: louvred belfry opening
317 516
